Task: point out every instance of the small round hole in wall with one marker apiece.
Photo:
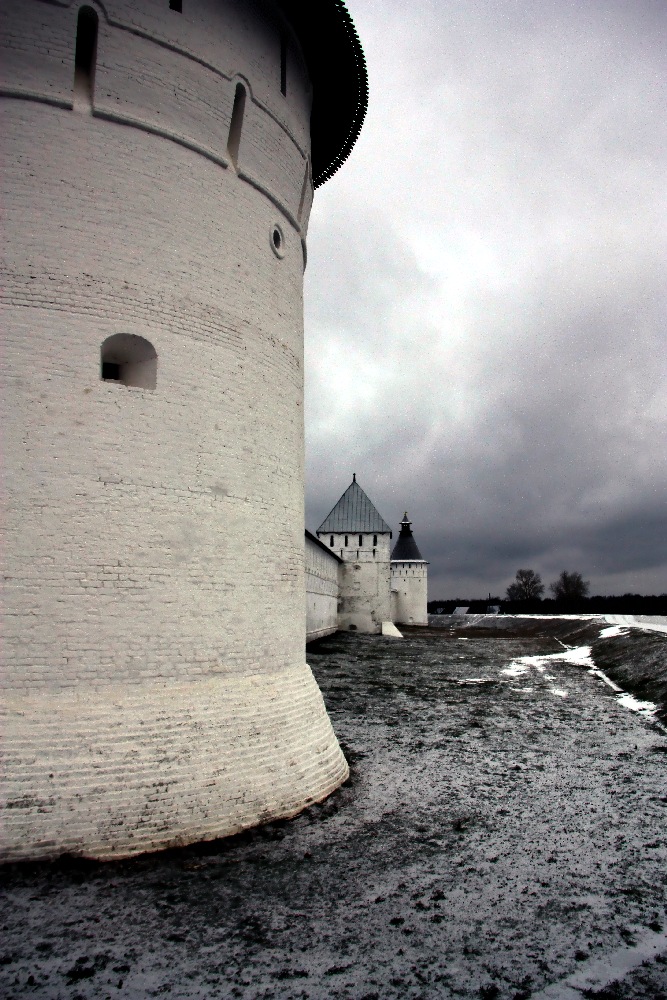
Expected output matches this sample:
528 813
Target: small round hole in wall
277 241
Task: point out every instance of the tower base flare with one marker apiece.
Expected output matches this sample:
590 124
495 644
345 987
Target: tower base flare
111 773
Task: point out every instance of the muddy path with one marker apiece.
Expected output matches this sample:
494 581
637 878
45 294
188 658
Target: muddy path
504 830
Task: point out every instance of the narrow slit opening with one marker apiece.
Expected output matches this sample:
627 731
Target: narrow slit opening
283 64
236 125
85 56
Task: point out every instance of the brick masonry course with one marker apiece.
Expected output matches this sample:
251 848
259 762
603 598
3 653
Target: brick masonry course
154 577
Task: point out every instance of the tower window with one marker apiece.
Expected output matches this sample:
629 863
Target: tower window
331 540
236 125
361 539
84 57
346 541
277 240
176 5
283 64
130 360
375 539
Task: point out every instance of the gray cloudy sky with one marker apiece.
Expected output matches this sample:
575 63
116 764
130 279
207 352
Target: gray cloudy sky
486 300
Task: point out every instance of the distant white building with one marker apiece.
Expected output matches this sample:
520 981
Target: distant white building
375 586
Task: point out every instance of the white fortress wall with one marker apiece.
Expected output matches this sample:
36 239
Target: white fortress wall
147 701
409 586
364 584
322 587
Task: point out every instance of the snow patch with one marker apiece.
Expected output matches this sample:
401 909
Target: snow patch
580 656
596 672
612 630
645 708
653 623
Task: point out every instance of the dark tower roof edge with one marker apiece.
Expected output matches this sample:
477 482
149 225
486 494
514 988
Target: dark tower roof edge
405 549
337 69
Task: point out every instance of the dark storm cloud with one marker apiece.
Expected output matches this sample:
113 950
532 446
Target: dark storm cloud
485 322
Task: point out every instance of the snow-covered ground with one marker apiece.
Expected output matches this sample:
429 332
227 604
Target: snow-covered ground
651 623
503 837
547 665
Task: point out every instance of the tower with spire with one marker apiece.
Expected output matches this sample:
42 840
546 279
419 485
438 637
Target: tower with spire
356 532
409 579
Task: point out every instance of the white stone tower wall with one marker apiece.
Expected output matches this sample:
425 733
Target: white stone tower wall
365 600
409 585
155 684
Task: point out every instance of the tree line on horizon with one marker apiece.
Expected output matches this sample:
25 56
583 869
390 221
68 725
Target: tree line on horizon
528 586
570 594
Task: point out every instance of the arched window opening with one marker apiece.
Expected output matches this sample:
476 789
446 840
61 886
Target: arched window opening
361 540
375 539
129 360
236 125
283 64
85 57
331 540
346 541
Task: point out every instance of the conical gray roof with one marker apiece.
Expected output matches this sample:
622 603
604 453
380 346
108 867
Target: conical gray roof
405 549
354 512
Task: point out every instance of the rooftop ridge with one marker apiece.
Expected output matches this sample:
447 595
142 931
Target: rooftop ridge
354 512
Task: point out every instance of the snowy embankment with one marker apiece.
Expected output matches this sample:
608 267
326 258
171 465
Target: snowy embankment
633 652
627 652
547 666
630 655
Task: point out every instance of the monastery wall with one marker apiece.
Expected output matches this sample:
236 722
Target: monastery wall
147 702
323 570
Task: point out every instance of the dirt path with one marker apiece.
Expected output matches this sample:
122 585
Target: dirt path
505 829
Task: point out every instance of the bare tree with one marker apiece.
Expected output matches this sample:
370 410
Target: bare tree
569 587
527 586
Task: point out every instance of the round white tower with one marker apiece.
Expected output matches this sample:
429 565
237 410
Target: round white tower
159 178
409 579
